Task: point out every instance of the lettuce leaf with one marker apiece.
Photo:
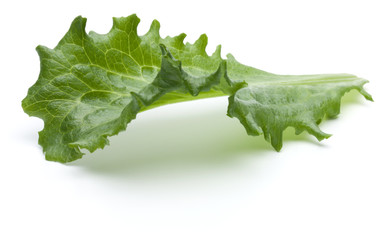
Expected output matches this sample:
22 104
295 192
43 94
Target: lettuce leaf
91 86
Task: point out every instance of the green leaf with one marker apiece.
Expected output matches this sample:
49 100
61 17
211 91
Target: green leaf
91 86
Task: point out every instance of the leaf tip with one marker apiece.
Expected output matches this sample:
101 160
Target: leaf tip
217 52
314 129
276 143
126 24
179 40
40 48
154 28
366 95
230 57
164 50
78 24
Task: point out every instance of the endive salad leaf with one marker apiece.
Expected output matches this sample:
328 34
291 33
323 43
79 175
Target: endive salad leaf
91 86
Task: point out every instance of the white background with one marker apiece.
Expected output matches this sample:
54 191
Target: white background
187 171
